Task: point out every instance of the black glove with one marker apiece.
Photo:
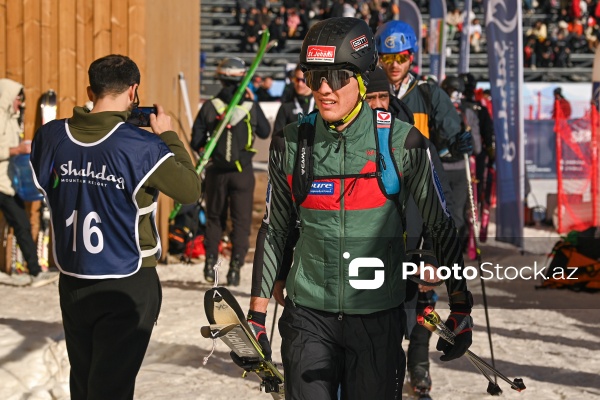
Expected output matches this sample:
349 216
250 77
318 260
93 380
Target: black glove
461 324
464 143
257 321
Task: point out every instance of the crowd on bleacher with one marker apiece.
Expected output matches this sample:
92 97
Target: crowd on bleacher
569 26
553 29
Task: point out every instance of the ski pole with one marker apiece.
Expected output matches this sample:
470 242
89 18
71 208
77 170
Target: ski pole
186 99
478 252
265 46
432 321
274 320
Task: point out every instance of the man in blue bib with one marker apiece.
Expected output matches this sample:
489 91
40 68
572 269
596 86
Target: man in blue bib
101 177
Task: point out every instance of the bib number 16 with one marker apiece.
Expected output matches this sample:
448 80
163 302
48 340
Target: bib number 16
88 232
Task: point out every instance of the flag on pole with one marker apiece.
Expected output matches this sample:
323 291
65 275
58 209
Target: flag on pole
505 57
437 39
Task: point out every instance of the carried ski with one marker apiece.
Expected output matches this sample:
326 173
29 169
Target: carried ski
432 321
265 45
227 323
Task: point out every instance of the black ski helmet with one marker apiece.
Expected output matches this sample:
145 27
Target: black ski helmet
339 43
231 69
470 83
453 83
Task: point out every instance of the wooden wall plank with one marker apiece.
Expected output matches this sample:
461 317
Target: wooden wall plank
49 48
101 29
3 43
119 24
137 40
160 82
67 86
32 62
14 39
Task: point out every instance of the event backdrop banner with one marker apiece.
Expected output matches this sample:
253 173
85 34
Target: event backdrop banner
437 39
505 53
410 13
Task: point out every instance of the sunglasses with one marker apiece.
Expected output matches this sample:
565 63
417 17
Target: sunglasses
298 80
399 58
336 79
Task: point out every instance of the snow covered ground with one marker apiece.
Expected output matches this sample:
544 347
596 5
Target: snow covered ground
550 338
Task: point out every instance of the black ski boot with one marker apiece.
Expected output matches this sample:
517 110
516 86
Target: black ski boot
420 381
209 268
233 276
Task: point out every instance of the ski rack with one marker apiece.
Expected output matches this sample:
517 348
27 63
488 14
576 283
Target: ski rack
431 321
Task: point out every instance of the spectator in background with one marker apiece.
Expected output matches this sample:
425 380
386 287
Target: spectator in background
561 102
561 52
454 23
592 34
349 10
302 101
539 30
250 35
529 52
262 93
263 18
293 21
278 32
546 54
475 33
12 103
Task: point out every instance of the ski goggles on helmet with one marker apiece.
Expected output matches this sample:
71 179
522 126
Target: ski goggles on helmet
336 79
400 58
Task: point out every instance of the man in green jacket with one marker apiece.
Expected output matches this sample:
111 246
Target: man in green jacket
101 177
340 326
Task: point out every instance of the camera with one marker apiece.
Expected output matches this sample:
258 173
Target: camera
140 116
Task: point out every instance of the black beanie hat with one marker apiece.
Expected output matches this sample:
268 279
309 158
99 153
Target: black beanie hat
378 81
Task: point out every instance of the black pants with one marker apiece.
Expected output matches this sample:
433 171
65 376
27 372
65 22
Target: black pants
236 190
418 347
14 213
108 323
460 200
362 353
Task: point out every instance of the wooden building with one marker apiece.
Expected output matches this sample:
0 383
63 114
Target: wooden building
49 44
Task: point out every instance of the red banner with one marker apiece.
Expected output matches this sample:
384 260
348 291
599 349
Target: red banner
577 170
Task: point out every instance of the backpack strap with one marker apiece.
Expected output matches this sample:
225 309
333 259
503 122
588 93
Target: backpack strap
303 176
241 112
386 165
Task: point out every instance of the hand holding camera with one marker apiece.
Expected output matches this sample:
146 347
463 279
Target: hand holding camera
153 117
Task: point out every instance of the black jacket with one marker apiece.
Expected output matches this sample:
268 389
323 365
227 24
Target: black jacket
206 123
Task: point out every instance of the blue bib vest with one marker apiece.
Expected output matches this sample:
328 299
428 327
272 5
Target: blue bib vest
91 192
